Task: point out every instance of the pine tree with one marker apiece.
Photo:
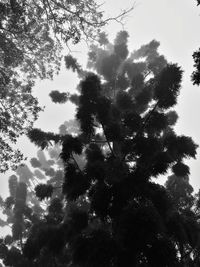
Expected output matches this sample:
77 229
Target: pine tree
116 214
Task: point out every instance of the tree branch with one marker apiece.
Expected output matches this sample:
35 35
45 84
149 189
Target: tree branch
112 151
102 23
147 119
72 156
121 15
53 16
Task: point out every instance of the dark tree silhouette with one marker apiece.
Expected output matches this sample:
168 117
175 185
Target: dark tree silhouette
114 213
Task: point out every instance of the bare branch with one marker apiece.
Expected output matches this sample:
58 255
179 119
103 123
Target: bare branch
99 24
120 16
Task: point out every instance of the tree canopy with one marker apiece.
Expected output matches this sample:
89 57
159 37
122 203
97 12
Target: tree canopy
111 210
91 198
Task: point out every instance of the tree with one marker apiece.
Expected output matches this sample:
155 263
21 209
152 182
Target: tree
186 218
27 205
196 72
181 191
196 57
115 214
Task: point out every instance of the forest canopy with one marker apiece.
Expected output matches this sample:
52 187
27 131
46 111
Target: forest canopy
91 196
96 201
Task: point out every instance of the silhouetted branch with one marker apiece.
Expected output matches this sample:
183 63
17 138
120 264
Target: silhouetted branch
121 15
72 156
147 119
112 151
99 24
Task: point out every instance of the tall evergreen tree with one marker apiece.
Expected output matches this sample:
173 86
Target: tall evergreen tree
115 212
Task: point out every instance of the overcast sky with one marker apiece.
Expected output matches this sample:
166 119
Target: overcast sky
175 24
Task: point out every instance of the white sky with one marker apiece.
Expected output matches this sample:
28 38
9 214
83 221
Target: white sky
175 24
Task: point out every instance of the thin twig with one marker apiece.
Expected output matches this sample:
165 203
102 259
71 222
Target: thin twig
102 23
121 15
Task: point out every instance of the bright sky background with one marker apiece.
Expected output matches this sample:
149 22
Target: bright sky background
175 24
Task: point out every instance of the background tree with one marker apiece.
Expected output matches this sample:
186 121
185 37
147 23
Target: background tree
27 207
18 110
196 58
113 213
196 72
185 219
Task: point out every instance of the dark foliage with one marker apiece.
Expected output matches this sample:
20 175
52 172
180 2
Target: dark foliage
162 253
71 63
42 139
75 183
95 249
167 86
180 146
43 191
180 190
58 97
180 169
196 73
70 145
